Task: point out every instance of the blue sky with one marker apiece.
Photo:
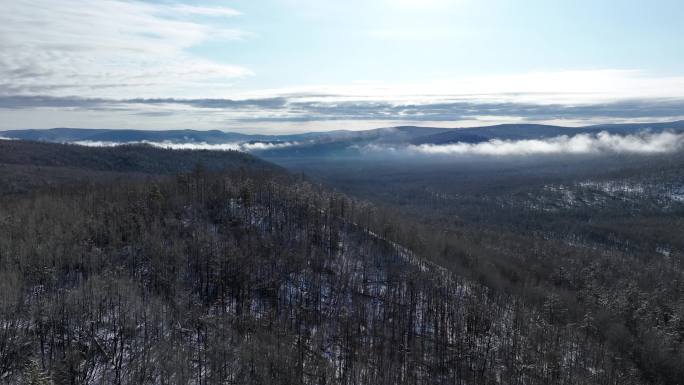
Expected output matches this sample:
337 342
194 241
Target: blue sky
316 41
303 65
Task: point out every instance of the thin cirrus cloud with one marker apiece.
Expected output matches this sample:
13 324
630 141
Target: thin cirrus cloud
110 48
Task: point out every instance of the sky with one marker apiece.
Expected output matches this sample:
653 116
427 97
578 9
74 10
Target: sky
287 66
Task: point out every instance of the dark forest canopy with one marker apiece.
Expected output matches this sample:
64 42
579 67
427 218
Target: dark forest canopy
26 165
128 158
174 267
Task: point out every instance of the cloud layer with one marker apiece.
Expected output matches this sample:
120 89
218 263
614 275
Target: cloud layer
175 64
602 143
110 48
582 144
234 146
300 108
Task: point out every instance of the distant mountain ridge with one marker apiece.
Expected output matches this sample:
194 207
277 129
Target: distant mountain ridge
539 131
117 135
197 136
333 142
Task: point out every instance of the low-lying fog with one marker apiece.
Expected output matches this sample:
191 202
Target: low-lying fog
580 144
234 146
644 143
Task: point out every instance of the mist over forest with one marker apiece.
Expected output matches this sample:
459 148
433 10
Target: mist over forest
402 255
327 192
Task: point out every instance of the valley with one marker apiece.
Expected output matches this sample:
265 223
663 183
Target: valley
332 268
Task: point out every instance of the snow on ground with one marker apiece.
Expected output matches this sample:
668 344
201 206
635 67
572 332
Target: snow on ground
599 193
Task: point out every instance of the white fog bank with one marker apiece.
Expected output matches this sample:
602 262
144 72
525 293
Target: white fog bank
645 143
236 146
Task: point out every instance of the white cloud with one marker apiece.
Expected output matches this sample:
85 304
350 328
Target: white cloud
109 48
235 146
262 146
646 143
549 87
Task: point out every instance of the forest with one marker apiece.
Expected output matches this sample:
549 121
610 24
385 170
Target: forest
135 265
341 192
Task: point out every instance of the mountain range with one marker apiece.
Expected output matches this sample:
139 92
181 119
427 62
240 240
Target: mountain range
400 134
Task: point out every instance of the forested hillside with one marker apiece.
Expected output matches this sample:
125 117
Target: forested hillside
331 192
25 166
249 276
599 236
